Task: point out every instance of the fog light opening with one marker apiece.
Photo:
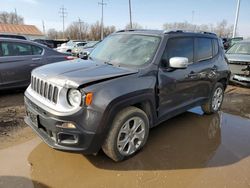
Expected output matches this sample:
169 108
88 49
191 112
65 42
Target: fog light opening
67 125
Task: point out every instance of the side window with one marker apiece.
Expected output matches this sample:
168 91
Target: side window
7 49
15 49
36 50
215 47
179 47
203 48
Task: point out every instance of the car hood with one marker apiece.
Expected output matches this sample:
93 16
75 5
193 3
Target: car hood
75 73
238 58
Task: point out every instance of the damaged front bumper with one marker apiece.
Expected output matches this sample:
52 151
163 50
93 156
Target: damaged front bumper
240 74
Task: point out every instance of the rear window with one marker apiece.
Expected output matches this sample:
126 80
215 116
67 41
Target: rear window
204 50
36 50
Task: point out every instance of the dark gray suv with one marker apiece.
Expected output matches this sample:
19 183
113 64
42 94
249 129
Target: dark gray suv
132 81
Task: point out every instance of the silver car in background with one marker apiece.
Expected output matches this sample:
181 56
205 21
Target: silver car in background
68 46
84 50
239 62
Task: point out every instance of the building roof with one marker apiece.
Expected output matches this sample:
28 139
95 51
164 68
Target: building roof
20 29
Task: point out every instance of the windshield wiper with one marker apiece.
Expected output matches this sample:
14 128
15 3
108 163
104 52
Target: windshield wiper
108 63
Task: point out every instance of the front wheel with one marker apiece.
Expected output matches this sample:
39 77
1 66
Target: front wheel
128 134
214 103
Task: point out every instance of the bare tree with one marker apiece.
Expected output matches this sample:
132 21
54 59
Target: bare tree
108 30
95 31
11 18
179 26
77 31
88 32
134 26
52 34
222 29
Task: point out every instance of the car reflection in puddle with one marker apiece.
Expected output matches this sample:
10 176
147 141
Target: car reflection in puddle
189 141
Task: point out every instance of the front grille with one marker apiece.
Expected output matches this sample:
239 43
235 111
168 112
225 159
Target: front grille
238 69
44 89
239 62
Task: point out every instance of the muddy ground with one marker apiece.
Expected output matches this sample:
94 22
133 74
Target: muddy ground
191 150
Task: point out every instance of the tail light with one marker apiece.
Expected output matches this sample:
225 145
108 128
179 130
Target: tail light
70 57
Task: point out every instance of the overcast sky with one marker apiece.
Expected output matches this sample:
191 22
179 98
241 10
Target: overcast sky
151 14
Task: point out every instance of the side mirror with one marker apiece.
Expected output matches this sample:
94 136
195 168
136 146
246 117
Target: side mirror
178 62
84 56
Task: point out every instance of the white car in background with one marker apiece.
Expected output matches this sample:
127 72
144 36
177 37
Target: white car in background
68 46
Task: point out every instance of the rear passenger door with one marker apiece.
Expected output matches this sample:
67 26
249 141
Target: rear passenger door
17 61
204 67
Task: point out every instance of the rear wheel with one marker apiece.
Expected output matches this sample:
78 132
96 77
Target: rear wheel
214 103
128 134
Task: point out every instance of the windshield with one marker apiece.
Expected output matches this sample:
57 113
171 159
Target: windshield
126 49
240 48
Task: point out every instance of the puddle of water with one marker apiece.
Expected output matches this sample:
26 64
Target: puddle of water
187 151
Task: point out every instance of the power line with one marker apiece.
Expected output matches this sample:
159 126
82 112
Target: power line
63 14
130 15
102 27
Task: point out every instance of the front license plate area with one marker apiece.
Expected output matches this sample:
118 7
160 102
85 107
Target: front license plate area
33 117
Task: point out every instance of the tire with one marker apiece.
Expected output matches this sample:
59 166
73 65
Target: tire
212 106
124 139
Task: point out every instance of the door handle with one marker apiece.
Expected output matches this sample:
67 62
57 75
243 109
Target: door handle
192 75
33 65
214 68
36 59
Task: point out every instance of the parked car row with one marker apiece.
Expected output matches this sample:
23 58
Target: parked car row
68 46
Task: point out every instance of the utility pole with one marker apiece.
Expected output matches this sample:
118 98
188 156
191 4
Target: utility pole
63 13
130 15
102 26
192 21
16 16
236 18
80 28
43 28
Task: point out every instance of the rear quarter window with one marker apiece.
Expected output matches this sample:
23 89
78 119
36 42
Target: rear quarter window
215 47
36 50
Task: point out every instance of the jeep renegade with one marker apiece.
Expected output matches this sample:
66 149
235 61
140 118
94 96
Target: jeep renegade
132 81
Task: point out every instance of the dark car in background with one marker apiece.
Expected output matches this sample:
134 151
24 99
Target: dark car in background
51 43
19 57
239 62
13 36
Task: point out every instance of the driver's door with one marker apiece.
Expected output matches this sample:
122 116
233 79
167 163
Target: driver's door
175 86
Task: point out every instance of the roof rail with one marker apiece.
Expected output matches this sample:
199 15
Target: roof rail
188 31
126 30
